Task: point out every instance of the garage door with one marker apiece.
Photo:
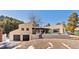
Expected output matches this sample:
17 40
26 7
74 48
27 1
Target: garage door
25 37
16 37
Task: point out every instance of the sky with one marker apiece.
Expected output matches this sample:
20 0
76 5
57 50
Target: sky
46 16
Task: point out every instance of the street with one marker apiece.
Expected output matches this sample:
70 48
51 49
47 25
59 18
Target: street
50 44
42 44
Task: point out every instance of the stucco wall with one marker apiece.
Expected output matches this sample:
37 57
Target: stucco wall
21 32
60 27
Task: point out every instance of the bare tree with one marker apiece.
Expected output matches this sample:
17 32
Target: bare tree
36 19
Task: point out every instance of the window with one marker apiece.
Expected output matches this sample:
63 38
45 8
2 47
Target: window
25 37
22 29
27 29
55 30
16 37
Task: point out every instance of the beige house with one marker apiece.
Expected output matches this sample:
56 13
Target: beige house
77 28
26 31
57 28
23 33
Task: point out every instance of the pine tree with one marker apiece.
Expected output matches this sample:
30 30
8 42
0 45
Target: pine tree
72 23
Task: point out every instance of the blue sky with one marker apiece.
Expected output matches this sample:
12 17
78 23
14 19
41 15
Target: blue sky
46 16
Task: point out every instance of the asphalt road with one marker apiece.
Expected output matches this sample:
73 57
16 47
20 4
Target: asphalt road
49 44
57 36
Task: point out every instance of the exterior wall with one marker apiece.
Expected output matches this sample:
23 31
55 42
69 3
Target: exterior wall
21 32
60 27
77 28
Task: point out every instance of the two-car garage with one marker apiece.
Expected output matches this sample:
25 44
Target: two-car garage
18 38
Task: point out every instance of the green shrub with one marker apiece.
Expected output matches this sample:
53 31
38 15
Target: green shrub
76 32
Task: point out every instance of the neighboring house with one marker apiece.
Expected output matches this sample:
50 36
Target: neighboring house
26 31
77 28
57 28
1 32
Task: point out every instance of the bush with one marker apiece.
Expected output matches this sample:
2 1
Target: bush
76 32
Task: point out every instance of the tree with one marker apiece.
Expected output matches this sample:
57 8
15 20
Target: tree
47 24
9 23
58 23
35 20
72 23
